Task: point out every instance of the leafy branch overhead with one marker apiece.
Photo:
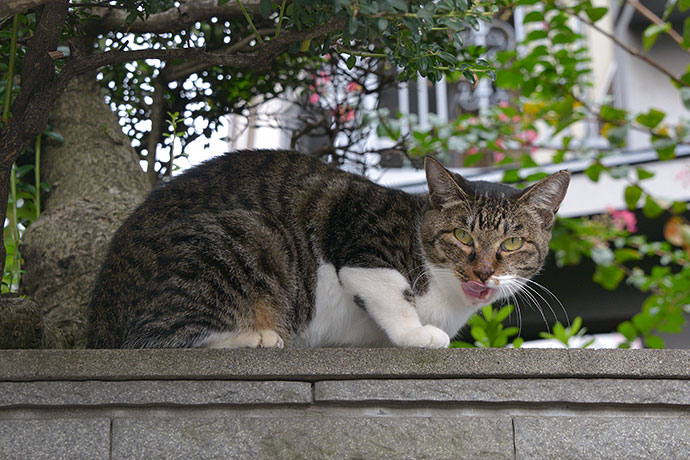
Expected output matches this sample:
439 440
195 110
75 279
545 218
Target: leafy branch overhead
200 60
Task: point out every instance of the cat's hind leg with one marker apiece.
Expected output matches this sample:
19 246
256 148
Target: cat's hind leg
264 338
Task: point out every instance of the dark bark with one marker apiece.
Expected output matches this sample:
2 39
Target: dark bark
31 107
95 182
10 7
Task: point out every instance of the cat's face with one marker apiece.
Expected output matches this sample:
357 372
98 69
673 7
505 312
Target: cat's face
490 237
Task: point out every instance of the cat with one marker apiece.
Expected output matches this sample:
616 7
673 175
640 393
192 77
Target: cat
275 248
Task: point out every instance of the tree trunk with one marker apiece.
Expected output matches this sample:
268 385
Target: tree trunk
96 181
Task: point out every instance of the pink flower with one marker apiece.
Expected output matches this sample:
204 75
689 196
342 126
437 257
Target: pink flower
503 104
344 113
499 144
314 98
498 156
502 117
323 78
353 87
472 150
623 219
683 176
516 118
528 136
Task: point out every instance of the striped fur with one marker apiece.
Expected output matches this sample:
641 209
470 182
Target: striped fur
230 251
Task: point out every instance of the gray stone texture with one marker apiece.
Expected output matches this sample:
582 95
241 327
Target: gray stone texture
95 182
596 438
319 438
320 364
60 439
147 392
580 391
21 325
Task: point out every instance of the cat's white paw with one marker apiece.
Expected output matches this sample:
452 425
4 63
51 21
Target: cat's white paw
265 338
425 337
270 339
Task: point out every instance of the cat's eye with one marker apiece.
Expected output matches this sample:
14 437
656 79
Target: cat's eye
463 237
512 244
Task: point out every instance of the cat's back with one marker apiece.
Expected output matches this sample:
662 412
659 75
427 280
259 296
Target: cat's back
224 232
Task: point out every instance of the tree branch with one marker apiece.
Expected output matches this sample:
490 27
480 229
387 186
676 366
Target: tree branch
258 60
172 20
646 12
186 69
629 49
10 7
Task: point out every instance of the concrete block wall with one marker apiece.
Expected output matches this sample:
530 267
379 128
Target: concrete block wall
345 404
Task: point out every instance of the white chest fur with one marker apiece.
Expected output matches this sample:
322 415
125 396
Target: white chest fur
339 321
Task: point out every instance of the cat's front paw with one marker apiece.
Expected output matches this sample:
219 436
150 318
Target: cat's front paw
425 337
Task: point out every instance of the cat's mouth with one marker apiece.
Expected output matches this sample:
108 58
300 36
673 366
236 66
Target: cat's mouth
476 290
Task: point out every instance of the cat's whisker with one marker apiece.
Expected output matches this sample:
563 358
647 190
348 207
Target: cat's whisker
506 293
548 291
529 288
535 305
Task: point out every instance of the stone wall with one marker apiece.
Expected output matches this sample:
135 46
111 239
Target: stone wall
345 404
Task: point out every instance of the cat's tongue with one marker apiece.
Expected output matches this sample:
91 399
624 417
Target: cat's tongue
476 289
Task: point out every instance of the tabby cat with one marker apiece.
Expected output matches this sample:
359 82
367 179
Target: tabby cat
274 248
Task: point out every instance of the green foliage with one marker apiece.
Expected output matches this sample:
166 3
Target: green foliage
488 330
565 334
549 79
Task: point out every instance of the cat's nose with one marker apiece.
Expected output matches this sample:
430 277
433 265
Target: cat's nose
483 274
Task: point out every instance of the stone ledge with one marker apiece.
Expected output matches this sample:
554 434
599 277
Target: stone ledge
611 438
575 391
345 403
467 438
148 393
55 439
322 364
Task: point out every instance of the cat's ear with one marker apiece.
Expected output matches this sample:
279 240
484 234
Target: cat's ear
546 196
444 186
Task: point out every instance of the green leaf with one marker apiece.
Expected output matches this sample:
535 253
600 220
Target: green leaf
665 147
623 255
617 135
678 207
131 17
651 33
399 5
651 119
472 159
503 313
510 176
686 33
608 277
536 35
596 13
643 174
632 195
265 8
517 343
685 97
478 333
351 61
654 341
651 208
628 330
54 135
533 16
352 26
594 170
683 5
612 114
